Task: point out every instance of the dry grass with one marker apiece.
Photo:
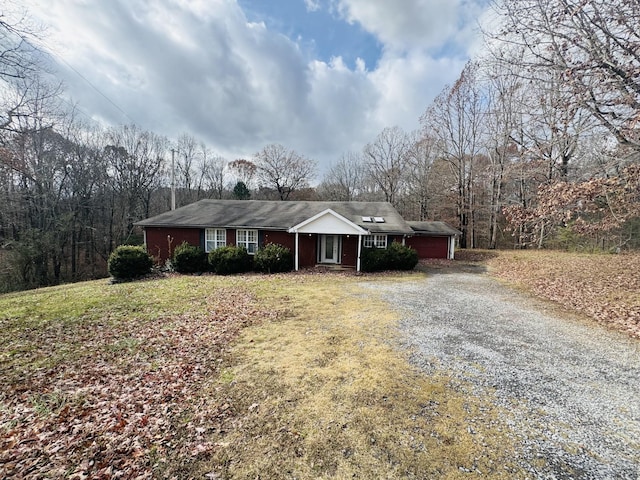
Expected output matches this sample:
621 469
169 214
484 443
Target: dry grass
322 393
151 380
604 287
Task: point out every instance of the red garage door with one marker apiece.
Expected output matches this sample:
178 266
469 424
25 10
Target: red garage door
429 247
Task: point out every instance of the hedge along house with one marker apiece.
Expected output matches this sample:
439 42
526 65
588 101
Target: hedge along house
318 233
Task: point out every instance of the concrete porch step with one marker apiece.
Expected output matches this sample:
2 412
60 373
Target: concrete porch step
333 267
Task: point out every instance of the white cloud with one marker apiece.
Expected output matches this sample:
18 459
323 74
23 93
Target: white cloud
312 5
404 23
407 85
202 67
415 24
340 106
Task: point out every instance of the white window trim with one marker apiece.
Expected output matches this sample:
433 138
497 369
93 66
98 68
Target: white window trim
214 238
377 241
245 241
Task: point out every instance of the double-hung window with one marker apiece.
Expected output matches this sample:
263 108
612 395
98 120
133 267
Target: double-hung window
247 239
374 241
214 238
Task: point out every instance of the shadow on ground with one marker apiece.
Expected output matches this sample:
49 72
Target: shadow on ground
467 261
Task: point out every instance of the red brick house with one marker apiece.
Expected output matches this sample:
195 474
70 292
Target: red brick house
318 233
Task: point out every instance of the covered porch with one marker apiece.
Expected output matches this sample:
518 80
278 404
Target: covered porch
338 241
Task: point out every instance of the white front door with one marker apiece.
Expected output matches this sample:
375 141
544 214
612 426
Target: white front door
330 249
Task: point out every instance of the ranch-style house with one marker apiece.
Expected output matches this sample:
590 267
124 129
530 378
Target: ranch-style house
318 233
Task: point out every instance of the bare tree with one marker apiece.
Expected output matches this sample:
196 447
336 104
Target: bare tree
136 165
36 164
455 120
344 180
213 172
84 192
282 170
592 47
505 107
421 156
21 67
244 171
386 159
187 177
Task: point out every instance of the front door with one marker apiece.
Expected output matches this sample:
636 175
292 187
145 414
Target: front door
330 249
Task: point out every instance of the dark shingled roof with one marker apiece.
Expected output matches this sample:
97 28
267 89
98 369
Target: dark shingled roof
433 228
276 215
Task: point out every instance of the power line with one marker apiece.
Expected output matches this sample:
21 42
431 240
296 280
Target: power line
53 53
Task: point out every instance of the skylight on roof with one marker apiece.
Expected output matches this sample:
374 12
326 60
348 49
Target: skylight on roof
367 219
378 219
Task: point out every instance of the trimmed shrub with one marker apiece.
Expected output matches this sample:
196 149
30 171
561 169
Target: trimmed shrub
401 257
374 259
188 258
273 258
229 259
129 261
395 257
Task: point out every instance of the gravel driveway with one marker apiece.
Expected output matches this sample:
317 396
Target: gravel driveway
571 387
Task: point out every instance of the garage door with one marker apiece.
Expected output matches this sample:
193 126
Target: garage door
430 247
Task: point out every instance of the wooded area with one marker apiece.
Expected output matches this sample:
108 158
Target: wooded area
536 144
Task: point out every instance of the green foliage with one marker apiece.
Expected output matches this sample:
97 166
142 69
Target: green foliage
18 268
188 258
374 259
626 237
229 259
566 238
631 234
129 261
402 257
241 192
273 258
394 257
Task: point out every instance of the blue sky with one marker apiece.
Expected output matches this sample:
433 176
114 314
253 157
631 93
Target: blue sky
320 31
323 77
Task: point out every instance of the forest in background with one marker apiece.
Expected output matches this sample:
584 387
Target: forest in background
536 145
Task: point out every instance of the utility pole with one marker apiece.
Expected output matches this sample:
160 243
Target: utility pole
173 179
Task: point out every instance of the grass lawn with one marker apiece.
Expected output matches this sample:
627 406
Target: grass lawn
287 376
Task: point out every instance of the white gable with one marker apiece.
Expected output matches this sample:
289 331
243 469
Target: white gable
330 223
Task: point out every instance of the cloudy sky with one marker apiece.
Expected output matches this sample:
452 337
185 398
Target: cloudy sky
320 76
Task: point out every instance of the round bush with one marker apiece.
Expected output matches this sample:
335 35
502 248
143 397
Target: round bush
229 259
401 257
273 258
129 261
188 258
374 259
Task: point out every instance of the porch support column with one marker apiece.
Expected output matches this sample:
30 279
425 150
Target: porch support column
359 252
297 254
452 246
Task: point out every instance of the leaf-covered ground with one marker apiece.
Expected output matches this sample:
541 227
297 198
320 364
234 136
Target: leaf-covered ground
284 376
102 381
288 376
604 287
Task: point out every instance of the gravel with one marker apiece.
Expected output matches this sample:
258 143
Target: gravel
570 388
